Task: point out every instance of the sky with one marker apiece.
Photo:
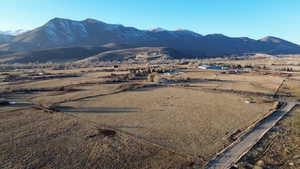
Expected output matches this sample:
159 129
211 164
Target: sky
235 18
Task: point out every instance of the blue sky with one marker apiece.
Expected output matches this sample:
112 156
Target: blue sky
236 18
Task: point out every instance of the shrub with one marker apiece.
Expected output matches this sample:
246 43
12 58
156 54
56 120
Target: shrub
157 78
154 77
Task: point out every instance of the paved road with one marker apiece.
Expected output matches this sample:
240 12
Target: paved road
234 152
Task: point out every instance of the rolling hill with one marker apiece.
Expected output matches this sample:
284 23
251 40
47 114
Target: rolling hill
57 54
143 53
4 38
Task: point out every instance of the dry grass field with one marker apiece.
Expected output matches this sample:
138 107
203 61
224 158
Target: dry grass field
101 118
188 121
34 139
248 82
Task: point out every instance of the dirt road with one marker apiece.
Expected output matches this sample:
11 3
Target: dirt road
235 151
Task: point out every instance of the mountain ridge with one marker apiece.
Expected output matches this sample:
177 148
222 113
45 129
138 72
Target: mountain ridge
64 33
13 32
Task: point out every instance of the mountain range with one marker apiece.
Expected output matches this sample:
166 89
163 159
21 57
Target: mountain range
13 32
61 35
7 36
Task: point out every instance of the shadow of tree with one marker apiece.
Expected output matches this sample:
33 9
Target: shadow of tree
97 109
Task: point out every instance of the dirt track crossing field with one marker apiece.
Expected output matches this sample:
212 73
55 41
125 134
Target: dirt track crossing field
233 153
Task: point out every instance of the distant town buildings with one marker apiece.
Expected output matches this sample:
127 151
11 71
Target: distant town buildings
214 67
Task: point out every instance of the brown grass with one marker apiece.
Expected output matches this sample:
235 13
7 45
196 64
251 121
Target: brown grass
151 125
172 117
30 138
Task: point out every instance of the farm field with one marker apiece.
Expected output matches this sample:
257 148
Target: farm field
180 120
188 121
35 139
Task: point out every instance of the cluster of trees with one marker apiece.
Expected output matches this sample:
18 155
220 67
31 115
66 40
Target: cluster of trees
287 69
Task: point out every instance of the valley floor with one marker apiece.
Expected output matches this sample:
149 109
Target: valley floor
92 121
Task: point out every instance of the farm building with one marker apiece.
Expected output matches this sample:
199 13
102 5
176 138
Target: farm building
214 67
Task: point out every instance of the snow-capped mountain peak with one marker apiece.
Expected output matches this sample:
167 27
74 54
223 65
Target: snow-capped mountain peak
158 30
13 32
60 32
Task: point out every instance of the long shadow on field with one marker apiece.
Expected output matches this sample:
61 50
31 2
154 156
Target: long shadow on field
146 89
21 105
16 105
129 127
199 80
97 109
